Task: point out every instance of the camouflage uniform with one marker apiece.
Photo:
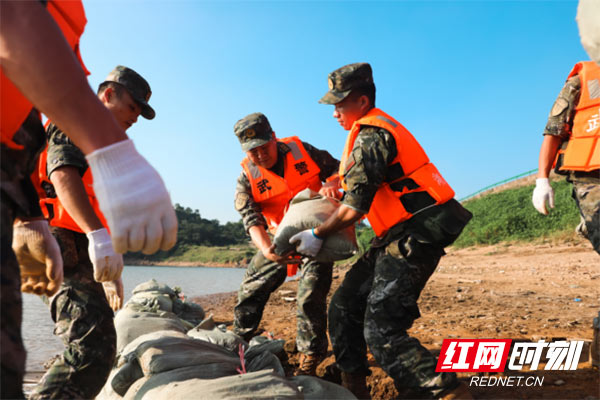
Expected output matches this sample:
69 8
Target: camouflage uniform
19 199
82 316
377 302
263 276
80 311
586 185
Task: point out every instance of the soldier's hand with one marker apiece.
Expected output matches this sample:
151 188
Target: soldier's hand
108 265
133 198
542 194
288 258
308 243
38 255
331 189
114 293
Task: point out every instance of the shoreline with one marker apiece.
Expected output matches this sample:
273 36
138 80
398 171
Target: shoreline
184 264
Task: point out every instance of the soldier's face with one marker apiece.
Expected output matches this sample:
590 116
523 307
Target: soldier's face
264 156
124 108
349 110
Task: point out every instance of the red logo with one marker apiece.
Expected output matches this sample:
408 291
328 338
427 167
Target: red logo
473 355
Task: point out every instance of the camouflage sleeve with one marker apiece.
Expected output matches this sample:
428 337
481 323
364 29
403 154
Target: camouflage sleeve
244 203
325 161
366 167
561 116
62 152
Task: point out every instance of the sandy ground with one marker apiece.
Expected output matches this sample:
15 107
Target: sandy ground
523 292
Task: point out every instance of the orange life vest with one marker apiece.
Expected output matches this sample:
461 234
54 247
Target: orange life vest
413 183
272 192
53 209
583 148
14 106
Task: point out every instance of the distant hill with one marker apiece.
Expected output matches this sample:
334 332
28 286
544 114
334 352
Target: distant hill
505 213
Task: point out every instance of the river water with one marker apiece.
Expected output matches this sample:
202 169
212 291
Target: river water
40 342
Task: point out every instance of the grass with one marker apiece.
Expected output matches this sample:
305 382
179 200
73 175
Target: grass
509 216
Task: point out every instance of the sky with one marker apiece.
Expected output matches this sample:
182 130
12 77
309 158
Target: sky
473 81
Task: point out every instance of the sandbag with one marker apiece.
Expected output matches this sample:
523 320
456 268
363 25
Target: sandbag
259 344
254 385
131 324
228 339
187 311
163 351
307 210
264 361
153 286
107 392
314 388
153 301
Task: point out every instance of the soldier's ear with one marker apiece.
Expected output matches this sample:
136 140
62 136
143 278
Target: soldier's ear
107 95
364 103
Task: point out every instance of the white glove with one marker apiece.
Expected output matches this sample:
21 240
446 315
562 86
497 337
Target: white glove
39 258
108 265
309 244
541 194
114 293
133 198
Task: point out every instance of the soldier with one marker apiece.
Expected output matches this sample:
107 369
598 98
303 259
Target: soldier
273 172
386 176
40 71
572 140
82 314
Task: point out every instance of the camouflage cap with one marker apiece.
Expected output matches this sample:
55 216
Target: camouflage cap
253 130
137 87
344 79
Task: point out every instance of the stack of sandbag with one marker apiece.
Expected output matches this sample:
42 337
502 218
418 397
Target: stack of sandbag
307 210
207 362
154 307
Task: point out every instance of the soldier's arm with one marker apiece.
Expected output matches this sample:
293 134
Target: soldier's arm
249 210
364 172
58 89
254 222
65 165
559 125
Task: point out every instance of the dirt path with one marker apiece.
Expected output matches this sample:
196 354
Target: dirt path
524 292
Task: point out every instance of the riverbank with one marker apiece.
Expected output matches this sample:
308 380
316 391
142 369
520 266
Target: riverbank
517 291
169 263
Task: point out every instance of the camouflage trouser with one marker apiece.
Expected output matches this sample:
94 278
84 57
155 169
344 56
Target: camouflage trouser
587 197
376 304
263 277
11 344
84 321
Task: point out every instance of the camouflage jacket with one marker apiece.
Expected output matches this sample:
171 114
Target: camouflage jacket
367 169
17 166
244 202
63 152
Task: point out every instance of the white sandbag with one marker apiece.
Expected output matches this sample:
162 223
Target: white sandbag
153 300
188 311
153 286
254 385
131 324
314 388
107 392
228 340
308 210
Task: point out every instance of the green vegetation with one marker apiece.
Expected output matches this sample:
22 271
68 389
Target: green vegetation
200 240
510 216
506 216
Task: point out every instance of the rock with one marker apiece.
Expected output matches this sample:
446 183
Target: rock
289 298
559 382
